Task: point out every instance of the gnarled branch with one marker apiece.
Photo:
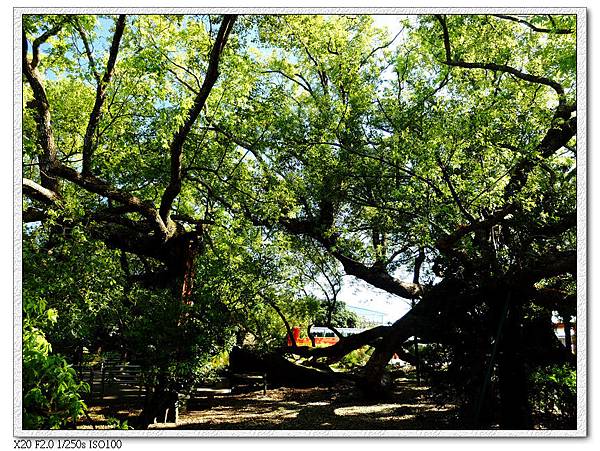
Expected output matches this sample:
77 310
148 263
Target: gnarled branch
534 27
98 186
42 108
176 148
37 42
102 84
450 61
38 192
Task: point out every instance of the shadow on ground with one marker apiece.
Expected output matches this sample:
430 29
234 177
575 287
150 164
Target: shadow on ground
317 408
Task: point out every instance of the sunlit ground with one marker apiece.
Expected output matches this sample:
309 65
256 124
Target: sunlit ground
315 408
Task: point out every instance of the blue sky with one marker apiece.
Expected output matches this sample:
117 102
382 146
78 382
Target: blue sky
355 292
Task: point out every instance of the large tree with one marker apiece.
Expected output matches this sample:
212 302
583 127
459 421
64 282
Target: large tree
445 149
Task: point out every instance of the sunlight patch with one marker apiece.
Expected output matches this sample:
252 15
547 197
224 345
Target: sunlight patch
359 410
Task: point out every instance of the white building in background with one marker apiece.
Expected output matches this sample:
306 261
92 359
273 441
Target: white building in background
370 316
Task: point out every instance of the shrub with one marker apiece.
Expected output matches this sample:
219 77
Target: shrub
51 392
356 358
554 393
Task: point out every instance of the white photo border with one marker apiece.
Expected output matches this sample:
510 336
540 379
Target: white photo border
582 288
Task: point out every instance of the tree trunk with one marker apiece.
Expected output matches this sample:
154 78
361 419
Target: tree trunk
515 411
375 384
417 360
431 318
160 406
280 371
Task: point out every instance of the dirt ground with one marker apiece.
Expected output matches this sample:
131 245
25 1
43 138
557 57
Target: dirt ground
290 408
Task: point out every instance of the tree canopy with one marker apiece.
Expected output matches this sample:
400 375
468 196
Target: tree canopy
187 178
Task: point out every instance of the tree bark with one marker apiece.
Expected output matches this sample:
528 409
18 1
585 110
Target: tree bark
160 406
101 89
515 410
176 147
280 371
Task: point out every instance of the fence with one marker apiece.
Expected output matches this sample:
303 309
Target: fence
112 379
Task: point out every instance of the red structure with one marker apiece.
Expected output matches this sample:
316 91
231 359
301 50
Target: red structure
322 338
559 330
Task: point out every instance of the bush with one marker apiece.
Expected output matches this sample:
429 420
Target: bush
51 392
357 358
554 393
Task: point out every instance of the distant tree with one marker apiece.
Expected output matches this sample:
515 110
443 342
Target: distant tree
337 316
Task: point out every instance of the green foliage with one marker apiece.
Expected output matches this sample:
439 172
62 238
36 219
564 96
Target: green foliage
115 423
340 315
51 391
326 146
435 356
554 392
355 359
89 294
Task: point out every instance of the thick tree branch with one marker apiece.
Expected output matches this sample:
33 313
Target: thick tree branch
555 299
98 186
446 243
547 266
431 317
373 275
554 229
38 192
419 260
42 108
50 168
344 346
562 129
33 215
35 51
96 114
534 27
450 61
176 148
379 278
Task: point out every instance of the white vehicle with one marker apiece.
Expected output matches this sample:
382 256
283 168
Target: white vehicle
327 332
